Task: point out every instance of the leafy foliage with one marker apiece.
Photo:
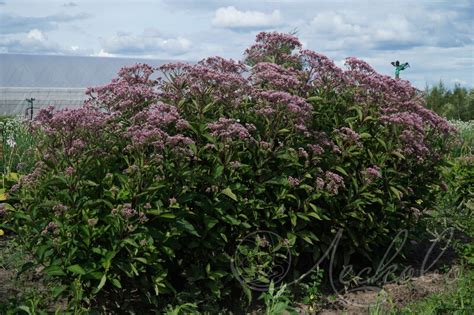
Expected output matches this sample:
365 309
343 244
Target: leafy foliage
143 194
457 103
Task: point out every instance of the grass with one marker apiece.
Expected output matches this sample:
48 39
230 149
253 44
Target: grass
458 301
466 135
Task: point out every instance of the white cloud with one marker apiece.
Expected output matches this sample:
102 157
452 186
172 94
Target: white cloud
150 42
334 23
103 53
37 42
35 35
230 17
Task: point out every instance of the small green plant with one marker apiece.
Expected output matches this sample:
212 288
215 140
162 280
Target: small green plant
186 308
311 289
277 302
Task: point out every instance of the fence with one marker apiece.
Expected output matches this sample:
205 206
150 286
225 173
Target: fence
13 100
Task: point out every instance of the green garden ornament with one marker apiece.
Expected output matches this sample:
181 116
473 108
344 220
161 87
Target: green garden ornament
399 67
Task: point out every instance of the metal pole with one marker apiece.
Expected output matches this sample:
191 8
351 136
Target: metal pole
30 101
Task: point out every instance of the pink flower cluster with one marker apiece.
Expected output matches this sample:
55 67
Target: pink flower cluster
273 76
51 227
274 47
331 183
125 210
132 90
293 181
371 173
158 125
230 129
319 70
219 78
278 101
348 135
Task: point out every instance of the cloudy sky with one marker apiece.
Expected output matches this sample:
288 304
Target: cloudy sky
435 37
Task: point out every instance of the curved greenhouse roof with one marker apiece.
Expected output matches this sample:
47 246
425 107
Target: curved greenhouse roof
54 80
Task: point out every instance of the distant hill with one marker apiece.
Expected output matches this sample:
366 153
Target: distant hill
62 71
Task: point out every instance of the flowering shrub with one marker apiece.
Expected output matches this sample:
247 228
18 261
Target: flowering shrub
145 192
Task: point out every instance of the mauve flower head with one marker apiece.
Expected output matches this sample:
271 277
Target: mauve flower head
334 182
371 173
348 135
15 188
295 107
142 218
234 164
293 181
92 222
156 126
316 149
229 129
319 183
127 211
302 153
59 208
273 46
129 93
265 145
70 170
51 227
320 71
273 76
172 201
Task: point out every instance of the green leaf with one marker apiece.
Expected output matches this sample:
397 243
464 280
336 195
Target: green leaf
76 269
314 215
224 237
3 195
101 283
25 308
231 219
141 259
314 99
210 222
116 283
188 227
341 170
396 192
303 216
218 171
54 270
167 216
398 154
57 290
228 192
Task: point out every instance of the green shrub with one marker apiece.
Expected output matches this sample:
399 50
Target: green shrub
143 195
